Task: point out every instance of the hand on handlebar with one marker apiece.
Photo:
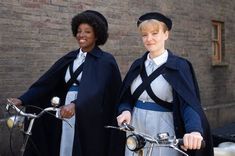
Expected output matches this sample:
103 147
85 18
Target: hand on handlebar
67 111
124 117
192 141
15 101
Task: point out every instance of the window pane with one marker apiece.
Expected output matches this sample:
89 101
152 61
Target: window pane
215 49
215 32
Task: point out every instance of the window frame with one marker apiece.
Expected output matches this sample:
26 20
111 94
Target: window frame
216 42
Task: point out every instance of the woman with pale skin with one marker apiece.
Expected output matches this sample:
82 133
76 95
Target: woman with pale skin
160 92
87 81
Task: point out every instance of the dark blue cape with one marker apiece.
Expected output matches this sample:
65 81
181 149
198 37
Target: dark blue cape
180 75
95 105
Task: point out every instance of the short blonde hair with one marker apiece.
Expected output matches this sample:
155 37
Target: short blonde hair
153 23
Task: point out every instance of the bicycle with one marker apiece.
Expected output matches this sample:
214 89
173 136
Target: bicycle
17 119
136 141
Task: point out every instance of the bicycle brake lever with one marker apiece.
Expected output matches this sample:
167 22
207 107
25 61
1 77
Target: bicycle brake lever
177 149
9 104
113 127
123 127
66 122
127 127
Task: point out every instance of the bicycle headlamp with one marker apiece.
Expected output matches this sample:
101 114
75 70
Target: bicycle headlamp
15 121
135 142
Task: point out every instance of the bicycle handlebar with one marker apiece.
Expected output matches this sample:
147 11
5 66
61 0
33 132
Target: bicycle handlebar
30 115
12 121
139 139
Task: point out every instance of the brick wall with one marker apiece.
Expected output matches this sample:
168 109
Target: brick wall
35 33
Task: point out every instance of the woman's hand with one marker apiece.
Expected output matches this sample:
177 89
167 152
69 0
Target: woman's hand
67 111
124 117
192 141
15 101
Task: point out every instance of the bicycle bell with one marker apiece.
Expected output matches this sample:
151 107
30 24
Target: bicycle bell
135 142
163 137
55 101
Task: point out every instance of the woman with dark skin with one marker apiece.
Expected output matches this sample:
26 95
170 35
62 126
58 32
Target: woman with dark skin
87 81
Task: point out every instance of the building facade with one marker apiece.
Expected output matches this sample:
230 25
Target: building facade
35 33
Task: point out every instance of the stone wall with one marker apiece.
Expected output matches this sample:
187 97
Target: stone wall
35 33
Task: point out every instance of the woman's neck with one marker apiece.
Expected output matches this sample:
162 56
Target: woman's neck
88 49
153 54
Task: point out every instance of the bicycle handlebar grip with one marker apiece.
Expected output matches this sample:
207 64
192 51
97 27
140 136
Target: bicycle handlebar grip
181 142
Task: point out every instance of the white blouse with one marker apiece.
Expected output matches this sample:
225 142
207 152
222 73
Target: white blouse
77 62
161 88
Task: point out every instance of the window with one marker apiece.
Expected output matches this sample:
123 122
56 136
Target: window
217 43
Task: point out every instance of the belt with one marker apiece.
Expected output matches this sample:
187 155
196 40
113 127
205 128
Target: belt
150 106
73 88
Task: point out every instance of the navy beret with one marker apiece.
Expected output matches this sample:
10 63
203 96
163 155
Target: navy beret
99 15
157 16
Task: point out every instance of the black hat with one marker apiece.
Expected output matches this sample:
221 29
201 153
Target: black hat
99 15
157 16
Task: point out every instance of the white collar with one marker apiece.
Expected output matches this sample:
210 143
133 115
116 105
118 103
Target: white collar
159 60
81 54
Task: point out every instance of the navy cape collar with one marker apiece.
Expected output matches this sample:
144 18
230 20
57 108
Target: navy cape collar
96 52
